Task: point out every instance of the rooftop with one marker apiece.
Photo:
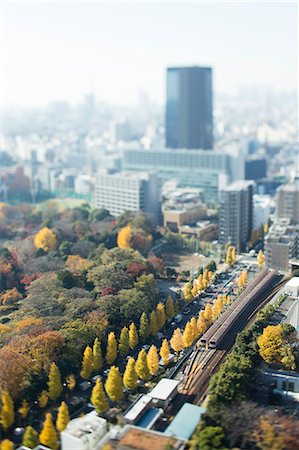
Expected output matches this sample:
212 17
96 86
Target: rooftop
164 389
238 185
87 424
185 422
137 408
293 282
139 439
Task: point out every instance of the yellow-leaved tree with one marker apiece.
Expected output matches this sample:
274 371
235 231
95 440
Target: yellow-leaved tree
141 366
45 239
111 351
63 417
54 382
87 363
260 259
176 341
165 352
170 311
270 343
124 237
7 416
133 336
153 360
48 435
114 385
130 377
98 397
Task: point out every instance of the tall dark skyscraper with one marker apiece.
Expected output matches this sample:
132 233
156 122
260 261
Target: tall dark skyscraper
189 108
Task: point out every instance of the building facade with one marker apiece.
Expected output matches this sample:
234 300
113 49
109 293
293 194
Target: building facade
287 202
189 108
207 170
236 214
281 245
120 192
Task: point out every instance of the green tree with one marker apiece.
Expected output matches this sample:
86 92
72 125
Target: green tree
54 382
114 385
170 311
154 327
97 355
133 336
111 352
209 438
87 363
161 316
123 345
98 397
144 330
141 366
130 377
30 437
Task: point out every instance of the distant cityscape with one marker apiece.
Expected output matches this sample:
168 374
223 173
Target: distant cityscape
149 264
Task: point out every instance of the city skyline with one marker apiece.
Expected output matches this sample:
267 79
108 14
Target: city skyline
70 49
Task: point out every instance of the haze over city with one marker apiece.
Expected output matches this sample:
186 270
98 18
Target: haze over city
60 51
149 226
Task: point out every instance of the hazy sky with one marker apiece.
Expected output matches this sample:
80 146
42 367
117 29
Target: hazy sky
60 50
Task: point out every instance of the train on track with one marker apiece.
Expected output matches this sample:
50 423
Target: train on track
239 311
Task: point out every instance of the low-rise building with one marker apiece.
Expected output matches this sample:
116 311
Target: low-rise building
84 433
134 438
292 287
164 392
185 421
285 384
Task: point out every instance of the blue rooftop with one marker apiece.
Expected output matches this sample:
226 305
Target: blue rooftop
185 422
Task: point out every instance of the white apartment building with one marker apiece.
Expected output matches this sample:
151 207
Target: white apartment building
122 191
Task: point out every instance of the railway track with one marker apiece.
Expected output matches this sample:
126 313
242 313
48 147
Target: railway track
206 362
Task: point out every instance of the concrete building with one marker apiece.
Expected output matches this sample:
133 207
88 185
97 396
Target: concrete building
210 171
121 191
189 108
236 214
255 168
204 230
84 433
261 210
287 202
292 287
281 245
285 384
164 392
187 215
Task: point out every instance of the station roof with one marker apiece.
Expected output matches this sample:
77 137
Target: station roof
137 408
185 422
164 389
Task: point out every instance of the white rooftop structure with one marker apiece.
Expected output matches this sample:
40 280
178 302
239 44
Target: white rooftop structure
84 433
164 389
133 413
292 287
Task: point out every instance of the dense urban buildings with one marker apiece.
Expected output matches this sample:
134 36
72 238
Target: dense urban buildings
121 191
208 170
189 108
236 214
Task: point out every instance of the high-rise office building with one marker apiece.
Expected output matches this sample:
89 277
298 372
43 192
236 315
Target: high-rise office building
236 214
189 108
